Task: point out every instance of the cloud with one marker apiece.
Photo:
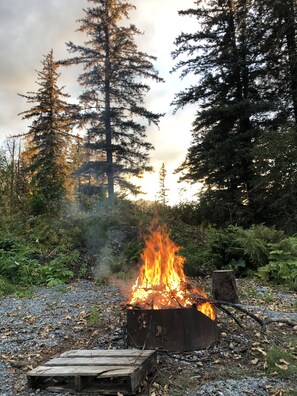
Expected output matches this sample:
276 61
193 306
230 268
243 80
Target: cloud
30 28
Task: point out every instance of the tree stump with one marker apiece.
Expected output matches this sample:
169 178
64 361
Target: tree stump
224 286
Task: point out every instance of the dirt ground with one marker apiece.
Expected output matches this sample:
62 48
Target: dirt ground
245 361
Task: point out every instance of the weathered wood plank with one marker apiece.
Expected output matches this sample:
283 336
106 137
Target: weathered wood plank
93 361
143 370
72 371
92 390
109 353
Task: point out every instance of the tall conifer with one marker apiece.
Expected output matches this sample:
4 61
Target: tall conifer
221 55
163 191
114 82
48 136
276 152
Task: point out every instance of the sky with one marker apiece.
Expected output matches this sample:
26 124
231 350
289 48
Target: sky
29 29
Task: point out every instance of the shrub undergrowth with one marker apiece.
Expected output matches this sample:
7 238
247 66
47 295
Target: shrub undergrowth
49 250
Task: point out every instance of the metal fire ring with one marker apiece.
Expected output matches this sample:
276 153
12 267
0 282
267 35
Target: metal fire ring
178 329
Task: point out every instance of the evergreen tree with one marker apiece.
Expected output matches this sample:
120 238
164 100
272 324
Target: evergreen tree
285 19
162 195
49 137
276 186
114 87
221 54
278 29
276 153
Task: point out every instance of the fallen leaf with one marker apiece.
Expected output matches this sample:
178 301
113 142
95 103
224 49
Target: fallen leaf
283 361
265 365
261 351
282 366
156 385
255 361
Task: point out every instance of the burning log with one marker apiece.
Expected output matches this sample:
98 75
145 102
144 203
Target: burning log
162 283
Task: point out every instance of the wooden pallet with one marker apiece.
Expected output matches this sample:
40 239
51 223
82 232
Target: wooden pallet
106 372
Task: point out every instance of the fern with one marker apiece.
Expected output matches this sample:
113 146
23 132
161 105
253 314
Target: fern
253 248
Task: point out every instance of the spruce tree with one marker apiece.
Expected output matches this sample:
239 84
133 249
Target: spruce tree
278 45
276 154
163 191
48 137
288 15
221 54
114 85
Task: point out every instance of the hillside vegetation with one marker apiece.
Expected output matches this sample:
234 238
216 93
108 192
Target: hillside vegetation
108 239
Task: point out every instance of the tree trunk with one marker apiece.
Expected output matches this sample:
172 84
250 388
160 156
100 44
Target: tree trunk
224 286
290 33
109 150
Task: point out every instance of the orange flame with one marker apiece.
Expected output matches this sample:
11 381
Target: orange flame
162 282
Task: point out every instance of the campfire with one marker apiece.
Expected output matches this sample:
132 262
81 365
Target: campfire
162 297
162 283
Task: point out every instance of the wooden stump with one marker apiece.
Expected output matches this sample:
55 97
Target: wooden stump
224 286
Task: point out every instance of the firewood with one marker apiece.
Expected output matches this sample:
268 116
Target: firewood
262 322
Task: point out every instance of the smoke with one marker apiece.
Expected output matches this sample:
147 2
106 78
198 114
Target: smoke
112 238
107 247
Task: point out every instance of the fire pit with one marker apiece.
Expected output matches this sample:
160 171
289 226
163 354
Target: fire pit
165 310
179 329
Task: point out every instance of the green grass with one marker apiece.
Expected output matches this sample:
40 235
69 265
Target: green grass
268 298
94 316
282 362
291 393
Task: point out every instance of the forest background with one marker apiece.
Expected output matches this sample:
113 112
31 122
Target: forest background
65 196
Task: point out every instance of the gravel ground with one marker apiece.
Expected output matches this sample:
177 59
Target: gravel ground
54 318
85 315
242 387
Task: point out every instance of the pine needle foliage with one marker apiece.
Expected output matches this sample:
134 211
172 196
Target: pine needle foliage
219 54
48 137
243 62
114 83
163 191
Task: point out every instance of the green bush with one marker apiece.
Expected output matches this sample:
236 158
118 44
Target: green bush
44 249
199 260
243 250
58 271
6 287
280 273
19 266
132 250
282 266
